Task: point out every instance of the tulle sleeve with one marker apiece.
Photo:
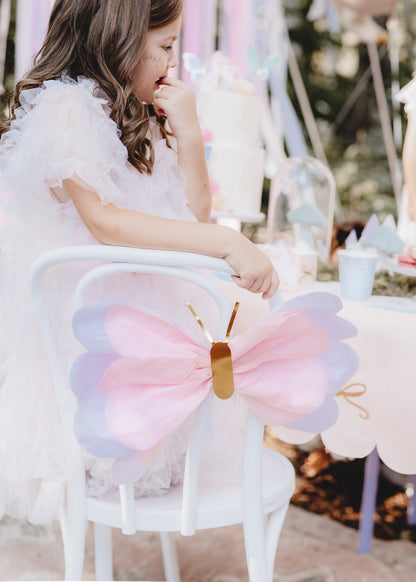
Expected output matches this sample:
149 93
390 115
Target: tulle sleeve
62 130
407 95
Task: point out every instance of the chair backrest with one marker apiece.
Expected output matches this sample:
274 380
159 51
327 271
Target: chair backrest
306 186
116 260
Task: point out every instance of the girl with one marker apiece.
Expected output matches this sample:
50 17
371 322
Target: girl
407 214
102 146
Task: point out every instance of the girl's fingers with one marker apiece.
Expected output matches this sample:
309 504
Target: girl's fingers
260 284
237 281
158 110
244 282
274 286
172 82
267 284
164 90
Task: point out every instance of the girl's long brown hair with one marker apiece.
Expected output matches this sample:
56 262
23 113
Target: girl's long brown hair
103 40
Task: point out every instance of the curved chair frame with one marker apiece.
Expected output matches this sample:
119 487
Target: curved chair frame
267 476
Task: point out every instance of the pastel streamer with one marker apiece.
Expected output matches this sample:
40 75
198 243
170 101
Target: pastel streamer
199 28
142 376
274 39
32 21
237 32
192 29
324 8
210 29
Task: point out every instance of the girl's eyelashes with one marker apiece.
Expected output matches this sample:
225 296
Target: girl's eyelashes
167 48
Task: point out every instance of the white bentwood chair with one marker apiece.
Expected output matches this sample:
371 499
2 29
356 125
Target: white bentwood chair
267 480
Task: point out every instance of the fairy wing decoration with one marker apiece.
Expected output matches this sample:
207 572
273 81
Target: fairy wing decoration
142 376
261 68
193 65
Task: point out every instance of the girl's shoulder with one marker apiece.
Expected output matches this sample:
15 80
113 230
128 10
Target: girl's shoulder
64 93
63 130
407 95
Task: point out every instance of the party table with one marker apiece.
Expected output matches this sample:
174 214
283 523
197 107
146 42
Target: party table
377 409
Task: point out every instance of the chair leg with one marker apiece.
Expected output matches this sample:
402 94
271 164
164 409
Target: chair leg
73 521
368 502
254 540
254 522
73 529
103 552
170 557
274 527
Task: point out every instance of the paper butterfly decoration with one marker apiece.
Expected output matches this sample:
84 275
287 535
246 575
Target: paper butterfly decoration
262 70
142 376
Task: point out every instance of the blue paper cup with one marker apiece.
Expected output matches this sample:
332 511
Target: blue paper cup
356 273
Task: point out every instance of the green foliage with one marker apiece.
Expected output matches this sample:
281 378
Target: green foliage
348 119
8 80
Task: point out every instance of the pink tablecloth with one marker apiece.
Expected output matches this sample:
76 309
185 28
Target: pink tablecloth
378 407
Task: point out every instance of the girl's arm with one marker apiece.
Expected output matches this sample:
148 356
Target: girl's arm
110 225
177 101
409 163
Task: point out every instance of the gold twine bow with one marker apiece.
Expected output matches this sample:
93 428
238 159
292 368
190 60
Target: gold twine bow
221 362
347 395
306 272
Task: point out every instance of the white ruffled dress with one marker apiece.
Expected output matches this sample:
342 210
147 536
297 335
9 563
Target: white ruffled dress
63 130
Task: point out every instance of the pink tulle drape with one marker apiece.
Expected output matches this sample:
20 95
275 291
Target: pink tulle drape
199 29
238 27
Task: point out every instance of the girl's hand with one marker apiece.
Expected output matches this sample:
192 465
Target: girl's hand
255 271
177 101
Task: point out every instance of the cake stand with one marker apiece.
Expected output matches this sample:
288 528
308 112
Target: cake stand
234 220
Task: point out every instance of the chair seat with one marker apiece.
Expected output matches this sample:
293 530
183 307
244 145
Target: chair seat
217 507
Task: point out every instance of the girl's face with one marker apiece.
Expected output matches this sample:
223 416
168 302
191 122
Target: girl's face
157 58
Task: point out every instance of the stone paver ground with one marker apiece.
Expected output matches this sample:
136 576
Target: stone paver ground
312 548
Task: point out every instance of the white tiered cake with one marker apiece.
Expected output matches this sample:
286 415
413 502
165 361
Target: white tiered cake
229 113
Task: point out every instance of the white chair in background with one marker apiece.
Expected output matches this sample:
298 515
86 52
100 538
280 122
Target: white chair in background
302 200
267 481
